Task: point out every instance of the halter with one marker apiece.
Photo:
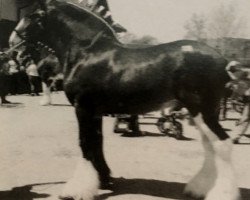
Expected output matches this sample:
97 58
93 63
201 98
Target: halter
19 34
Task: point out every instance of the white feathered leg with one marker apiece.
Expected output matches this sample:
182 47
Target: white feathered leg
203 181
216 180
46 98
84 184
225 187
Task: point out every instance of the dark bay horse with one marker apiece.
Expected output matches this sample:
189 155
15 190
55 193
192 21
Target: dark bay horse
103 76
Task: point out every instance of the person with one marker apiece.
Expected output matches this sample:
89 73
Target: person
13 70
241 82
4 78
234 88
34 78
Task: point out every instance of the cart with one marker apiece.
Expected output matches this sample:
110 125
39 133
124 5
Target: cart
167 124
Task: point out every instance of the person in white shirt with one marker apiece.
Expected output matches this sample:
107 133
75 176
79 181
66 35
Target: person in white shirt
34 78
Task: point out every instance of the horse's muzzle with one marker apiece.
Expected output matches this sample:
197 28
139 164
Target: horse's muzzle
14 39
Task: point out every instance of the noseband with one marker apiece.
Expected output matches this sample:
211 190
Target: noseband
23 40
19 34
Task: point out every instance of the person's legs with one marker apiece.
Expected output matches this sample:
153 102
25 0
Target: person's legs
36 83
3 100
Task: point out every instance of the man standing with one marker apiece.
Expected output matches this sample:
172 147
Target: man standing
4 78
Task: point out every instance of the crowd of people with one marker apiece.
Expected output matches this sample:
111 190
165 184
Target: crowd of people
18 76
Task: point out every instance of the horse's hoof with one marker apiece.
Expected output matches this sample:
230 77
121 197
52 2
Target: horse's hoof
236 141
190 195
43 103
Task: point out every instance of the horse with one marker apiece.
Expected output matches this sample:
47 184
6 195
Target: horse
103 76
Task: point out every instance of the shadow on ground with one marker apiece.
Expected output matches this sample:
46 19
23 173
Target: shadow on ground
154 188
61 105
151 134
25 192
12 105
122 186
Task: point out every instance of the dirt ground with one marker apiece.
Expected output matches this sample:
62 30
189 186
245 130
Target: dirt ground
39 150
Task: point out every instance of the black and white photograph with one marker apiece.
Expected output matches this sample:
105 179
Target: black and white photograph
124 99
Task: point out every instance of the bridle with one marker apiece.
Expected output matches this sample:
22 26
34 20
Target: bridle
23 37
40 44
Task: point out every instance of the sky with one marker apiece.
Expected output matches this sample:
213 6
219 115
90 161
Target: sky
165 19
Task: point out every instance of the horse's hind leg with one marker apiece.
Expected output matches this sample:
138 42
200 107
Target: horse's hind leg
203 181
217 169
92 167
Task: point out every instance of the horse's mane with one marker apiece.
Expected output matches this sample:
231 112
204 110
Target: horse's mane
82 11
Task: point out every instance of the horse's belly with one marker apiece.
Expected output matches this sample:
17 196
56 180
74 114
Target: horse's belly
133 105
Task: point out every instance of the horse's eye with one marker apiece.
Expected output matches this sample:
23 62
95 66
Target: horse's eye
37 15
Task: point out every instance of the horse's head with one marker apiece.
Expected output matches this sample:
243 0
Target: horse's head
30 29
58 24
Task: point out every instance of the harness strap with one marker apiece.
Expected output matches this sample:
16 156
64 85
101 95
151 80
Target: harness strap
98 35
14 47
19 34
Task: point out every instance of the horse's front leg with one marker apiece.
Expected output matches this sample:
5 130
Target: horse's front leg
46 98
92 167
216 180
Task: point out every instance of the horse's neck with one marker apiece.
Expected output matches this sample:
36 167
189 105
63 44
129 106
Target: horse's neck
65 35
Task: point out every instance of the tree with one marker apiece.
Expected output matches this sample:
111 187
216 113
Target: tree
196 27
146 39
225 21
130 38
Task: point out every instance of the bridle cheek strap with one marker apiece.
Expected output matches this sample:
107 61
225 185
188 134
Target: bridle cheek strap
19 34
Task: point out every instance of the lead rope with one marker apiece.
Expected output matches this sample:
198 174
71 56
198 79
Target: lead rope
97 37
14 47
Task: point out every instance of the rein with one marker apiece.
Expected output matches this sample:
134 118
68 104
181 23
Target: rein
14 47
95 39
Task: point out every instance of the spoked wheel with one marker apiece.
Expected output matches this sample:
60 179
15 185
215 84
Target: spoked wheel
236 140
121 127
168 127
162 126
238 106
177 130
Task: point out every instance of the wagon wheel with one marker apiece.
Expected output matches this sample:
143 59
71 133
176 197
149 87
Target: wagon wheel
177 130
161 125
238 107
236 140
